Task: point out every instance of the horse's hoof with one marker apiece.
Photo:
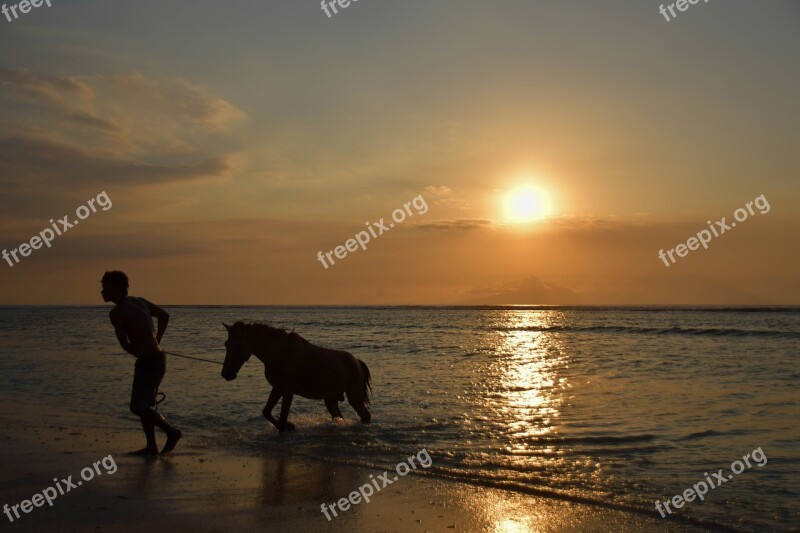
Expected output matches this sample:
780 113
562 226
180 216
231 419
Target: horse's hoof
288 426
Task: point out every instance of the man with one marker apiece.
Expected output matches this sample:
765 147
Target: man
132 319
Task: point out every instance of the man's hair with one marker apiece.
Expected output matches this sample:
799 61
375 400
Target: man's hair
116 278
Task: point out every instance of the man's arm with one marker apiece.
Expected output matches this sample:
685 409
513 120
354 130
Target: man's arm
163 319
122 335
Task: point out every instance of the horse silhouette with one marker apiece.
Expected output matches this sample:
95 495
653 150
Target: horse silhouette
292 365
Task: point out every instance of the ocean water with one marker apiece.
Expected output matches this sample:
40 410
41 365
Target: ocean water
615 406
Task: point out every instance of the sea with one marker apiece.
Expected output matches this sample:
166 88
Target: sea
616 407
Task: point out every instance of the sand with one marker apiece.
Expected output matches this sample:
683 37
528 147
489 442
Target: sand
206 488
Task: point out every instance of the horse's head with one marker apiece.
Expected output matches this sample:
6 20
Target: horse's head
237 350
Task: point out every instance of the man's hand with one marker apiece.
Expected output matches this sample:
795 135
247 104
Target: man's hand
163 319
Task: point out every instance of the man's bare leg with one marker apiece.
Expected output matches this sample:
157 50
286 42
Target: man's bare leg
150 435
151 419
173 436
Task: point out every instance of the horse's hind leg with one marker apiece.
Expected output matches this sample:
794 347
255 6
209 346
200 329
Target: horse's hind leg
333 407
357 401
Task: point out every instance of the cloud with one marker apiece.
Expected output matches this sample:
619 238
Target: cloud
61 136
65 98
123 115
456 225
119 99
436 191
91 121
441 195
51 163
45 178
178 97
22 85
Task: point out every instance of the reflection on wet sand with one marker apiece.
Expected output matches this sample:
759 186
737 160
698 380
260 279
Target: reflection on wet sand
204 488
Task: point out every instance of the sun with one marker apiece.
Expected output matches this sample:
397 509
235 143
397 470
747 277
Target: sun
526 204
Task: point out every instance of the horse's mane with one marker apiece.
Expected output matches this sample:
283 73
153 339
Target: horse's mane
268 331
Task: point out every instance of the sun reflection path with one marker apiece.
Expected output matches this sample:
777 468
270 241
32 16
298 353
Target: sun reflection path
529 377
523 393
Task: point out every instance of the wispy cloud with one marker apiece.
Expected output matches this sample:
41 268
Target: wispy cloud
456 225
73 133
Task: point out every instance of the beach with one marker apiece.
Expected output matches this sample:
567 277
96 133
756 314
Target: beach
563 419
200 489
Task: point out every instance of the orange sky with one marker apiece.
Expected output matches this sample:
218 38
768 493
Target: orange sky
236 144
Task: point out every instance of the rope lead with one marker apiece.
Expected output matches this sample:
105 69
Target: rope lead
195 358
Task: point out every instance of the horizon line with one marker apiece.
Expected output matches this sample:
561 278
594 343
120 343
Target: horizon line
739 307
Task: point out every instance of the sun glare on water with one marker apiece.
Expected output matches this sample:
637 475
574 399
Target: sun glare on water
526 204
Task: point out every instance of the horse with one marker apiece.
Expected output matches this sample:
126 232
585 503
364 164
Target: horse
292 365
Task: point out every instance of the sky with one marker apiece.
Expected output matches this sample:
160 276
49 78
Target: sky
238 140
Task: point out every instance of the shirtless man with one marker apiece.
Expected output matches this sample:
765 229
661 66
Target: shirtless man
133 324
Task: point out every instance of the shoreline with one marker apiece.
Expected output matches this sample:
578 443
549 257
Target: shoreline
201 488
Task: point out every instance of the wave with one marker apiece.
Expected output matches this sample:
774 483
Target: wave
541 485
603 439
675 330
378 448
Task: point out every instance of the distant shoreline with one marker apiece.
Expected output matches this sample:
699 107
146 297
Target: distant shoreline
508 307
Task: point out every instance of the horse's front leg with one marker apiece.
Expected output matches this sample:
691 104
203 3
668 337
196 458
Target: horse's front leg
286 403
274 396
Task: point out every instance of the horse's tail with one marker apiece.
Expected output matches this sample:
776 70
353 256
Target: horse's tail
367 381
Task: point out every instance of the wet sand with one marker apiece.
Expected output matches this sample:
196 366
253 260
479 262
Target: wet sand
205 488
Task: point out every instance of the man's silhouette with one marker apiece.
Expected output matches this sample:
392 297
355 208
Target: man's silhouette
132 319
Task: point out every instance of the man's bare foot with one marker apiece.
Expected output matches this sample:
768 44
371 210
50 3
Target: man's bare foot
172 439
145 451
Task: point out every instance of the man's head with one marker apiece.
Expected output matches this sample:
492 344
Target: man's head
115 286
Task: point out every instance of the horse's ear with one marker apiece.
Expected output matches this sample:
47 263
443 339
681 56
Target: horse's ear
226 326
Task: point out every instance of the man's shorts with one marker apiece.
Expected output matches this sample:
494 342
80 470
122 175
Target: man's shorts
147 375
